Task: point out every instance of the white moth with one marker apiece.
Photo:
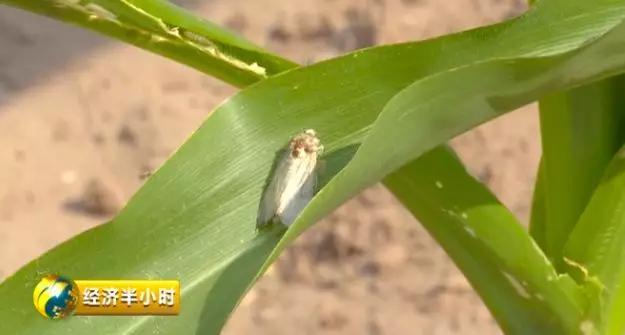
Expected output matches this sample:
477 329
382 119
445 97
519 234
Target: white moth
292 183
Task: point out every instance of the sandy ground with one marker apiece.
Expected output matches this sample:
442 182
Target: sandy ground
82 117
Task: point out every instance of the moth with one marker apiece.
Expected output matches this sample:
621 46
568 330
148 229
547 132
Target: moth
293 181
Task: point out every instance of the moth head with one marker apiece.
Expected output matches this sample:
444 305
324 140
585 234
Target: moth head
304 143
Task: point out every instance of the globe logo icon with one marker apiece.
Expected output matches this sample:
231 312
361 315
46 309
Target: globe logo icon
55 297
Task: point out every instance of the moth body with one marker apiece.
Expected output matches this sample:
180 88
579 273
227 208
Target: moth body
292 184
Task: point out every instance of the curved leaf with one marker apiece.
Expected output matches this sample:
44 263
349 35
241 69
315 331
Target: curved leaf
502 262
582 128
168 30
595 249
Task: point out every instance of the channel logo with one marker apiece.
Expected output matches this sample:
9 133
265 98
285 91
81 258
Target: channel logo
57 297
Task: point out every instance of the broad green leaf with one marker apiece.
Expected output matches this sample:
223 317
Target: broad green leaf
201 205
443 105
489 245
595 249
166 29
581 130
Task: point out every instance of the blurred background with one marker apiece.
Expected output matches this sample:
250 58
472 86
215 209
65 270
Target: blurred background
83 119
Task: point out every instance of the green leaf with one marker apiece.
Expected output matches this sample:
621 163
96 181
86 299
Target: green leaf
538 218
501 261
166 29
194 219
595 249
581 130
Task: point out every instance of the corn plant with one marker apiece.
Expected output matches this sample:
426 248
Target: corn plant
383 114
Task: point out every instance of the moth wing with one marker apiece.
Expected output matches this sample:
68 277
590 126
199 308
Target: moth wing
268 208
302 196
308 189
